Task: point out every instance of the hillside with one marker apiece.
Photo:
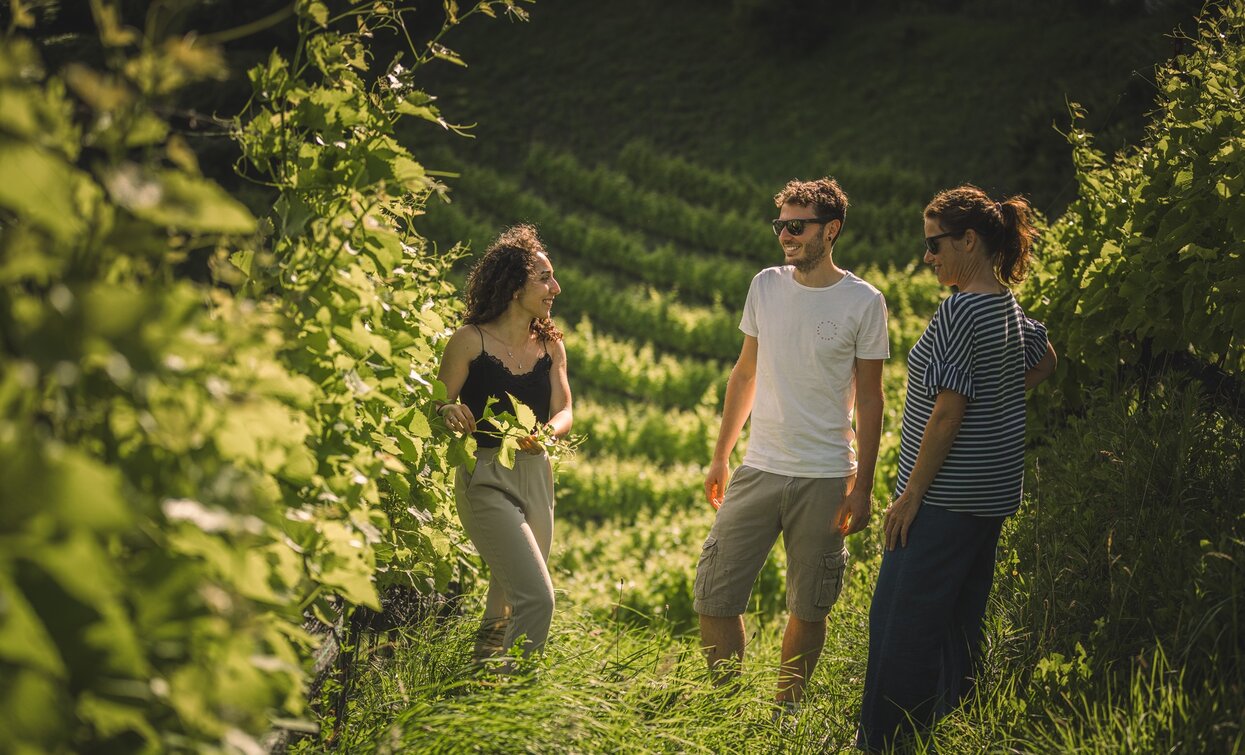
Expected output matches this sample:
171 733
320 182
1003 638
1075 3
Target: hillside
970 95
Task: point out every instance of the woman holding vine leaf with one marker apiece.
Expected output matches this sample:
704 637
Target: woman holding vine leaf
509 348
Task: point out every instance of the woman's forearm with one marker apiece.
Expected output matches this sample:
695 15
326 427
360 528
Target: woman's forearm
560 424
1042 370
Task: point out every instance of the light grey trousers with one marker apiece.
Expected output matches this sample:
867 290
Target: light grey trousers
508 514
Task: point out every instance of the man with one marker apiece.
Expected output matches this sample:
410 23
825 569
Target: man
814 340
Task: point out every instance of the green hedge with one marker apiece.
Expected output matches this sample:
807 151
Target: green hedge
1146 269
188 467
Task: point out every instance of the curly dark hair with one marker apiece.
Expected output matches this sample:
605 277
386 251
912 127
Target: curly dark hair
1006 226
824 195
499 273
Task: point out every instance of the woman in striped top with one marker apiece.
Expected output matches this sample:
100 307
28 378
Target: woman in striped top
961 465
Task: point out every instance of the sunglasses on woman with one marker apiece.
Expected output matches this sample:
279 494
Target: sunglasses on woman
795 226
931 242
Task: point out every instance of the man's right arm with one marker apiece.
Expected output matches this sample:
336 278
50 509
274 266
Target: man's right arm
740 392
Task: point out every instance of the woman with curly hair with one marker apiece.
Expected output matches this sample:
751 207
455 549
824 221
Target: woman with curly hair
509 345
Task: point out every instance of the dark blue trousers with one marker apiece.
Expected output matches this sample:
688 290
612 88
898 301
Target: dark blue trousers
926 624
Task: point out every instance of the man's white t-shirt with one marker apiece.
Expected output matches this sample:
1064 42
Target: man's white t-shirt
808 341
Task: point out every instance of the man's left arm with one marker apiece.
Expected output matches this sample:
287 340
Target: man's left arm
869 405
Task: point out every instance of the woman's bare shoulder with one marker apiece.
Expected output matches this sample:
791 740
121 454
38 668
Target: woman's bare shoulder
465 342
557 350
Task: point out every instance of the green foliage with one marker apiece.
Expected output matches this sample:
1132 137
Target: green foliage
1161 708
648 166
1136 535
1117 619
912 296
880 218
365 307
614 195
644 430
1146 269
606 487
878 183
708 92
149 436
1128 576
186 467
641 571
649 314
620 369
592 241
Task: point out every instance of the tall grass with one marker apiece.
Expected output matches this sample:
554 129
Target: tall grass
1114 626
1132 552
602 686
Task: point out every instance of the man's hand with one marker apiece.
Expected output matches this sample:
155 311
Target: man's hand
855 511
531 444
715 483
899 517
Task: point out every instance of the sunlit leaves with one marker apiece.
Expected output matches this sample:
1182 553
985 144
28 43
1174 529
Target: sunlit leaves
105 404
112 31
98 90
315 10
1142 268
23 638
346 564
419 426
43 188
366 307
444 53
177 62
523 414
175 200
419 104
184 465
84 493
112 718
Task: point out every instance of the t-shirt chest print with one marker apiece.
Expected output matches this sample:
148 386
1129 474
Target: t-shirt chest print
828 330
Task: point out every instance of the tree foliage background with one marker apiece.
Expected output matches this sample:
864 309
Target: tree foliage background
188 463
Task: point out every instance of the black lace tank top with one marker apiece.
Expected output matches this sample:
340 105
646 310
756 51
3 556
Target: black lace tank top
488 376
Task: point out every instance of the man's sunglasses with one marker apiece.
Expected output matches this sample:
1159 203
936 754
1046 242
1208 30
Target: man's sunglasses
795 226
931 242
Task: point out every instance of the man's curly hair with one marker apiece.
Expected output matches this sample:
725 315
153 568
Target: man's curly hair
824 195
499 273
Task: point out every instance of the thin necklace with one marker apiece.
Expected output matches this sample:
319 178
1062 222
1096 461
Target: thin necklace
509 353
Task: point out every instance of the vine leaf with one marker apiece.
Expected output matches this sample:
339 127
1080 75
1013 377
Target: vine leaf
175 200
41 187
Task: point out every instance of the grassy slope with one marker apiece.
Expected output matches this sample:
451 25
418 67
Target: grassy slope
1056 678
955 97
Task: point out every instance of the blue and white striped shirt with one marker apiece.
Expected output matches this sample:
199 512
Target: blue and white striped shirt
979 345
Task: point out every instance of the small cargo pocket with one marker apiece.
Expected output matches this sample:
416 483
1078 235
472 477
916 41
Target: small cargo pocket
833 565
706 567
